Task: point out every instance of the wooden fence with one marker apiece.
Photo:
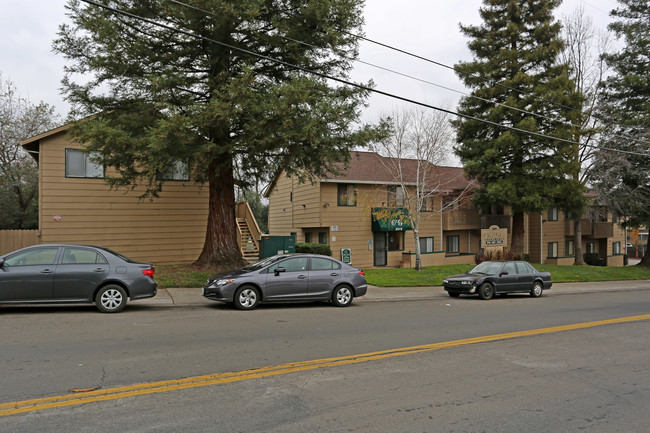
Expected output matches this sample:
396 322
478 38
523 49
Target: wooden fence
11 240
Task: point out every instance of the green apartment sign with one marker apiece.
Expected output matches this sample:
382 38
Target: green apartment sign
390 219
346 255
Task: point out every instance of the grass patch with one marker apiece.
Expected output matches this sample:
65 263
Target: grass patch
169 276
571 274
433 276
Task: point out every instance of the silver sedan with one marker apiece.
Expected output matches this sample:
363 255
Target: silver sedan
288 278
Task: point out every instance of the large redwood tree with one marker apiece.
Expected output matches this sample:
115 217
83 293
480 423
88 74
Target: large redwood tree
211 87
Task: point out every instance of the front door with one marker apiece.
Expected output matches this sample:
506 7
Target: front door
380 250
28 275
290 284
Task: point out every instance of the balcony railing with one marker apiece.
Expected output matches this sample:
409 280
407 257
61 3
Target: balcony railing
460 219
590 229
503 221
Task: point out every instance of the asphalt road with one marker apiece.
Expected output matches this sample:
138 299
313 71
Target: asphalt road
389 363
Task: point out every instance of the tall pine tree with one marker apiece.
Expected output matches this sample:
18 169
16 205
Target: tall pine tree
178 87
623 178
517 81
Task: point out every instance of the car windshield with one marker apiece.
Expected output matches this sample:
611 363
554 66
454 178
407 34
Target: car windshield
487 268
262 263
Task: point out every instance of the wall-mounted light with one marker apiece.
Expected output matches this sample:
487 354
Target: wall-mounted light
326 204
304 206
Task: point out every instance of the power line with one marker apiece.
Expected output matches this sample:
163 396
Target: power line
349 83
490 82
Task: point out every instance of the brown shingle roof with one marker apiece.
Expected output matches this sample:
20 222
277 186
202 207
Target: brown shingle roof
370 167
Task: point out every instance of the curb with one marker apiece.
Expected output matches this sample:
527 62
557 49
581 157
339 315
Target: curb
192 296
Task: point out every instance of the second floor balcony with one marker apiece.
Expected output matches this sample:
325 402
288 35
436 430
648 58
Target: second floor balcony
460 219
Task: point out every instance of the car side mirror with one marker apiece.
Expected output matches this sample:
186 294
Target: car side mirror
278 270
2 262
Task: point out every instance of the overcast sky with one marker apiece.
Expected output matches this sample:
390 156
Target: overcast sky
429 28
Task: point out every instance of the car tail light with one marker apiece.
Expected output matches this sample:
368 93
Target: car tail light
148 272
362 273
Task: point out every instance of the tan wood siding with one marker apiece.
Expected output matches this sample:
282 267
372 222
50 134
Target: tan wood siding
306 204
280 207
168 229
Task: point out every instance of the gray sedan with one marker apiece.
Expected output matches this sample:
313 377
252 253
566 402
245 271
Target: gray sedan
288 278
65 273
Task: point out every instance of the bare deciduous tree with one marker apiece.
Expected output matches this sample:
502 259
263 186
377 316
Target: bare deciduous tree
419 143
19 119
582 54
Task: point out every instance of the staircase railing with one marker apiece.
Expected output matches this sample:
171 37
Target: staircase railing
243 212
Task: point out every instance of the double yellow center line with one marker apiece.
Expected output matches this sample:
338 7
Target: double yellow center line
12 408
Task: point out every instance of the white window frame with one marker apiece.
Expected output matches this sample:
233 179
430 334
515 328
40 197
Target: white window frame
89 169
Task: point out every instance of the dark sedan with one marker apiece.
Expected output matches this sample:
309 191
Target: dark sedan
499 277
288 278
65 273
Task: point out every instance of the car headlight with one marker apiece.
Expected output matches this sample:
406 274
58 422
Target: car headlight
466 283
445 281
222 282
217 283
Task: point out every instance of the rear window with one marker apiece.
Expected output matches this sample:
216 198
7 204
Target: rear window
81 256
320 264
115 253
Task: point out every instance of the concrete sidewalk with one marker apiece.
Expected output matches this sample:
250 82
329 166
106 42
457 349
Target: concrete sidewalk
192 296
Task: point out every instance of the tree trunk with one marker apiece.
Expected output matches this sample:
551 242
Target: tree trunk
577 240
645 261
518 234
220 248
418 252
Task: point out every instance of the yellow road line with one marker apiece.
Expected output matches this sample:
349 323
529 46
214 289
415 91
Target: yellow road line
16 407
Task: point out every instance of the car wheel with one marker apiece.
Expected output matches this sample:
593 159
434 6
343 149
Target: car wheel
247 298
536 291
454 294
110 299
342 296
486 291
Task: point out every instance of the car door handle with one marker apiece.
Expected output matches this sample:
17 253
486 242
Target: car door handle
100 270
334 274
302 277
47 271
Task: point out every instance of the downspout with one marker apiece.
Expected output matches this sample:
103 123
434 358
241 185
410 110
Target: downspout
541 238
527 237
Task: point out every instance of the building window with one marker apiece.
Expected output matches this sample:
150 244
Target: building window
616 248
395 241
590 247
552 214
427 204
80 164
347 194
570 248
453 244
322 237
426 245
177 170
396 196
552 249
308 237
